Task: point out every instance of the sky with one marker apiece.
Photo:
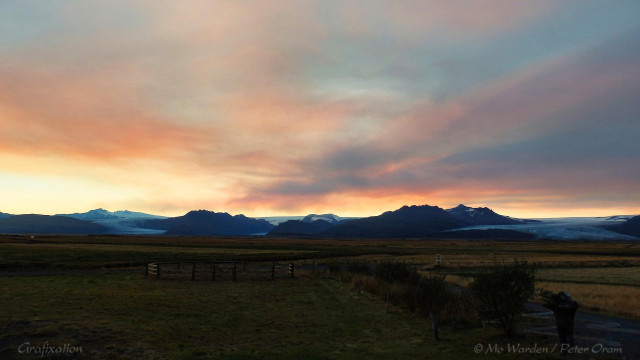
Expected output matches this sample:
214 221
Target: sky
531 108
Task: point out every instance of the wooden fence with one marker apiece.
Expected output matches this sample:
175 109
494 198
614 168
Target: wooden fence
220 270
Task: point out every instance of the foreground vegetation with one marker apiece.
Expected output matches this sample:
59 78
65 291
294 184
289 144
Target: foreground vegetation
127 316
326 314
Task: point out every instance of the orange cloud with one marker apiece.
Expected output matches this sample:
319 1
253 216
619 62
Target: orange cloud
304 106
44 113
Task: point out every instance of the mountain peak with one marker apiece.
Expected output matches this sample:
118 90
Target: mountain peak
205 214
407 221
480 216
331 218
460 207
95 214
204 222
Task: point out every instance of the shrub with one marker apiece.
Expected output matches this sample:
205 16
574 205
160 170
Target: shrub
334 268
396 272
358 268
501 292
460 310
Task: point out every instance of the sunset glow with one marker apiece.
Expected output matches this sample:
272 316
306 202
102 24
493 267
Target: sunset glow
266 108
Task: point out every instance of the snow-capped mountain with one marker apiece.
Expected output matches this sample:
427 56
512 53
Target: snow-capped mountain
480 216
330 218
616 218
102 214
96 214
119 222
277 220
570 228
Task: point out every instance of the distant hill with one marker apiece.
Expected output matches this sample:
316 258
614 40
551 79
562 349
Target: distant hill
299 227
3 215
480 216
629 227
45 224
408 221
202 223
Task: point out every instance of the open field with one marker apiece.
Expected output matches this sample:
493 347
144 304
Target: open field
74 252
125 315
596 296
128 316
605 276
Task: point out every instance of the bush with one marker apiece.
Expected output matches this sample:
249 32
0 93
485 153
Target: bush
334 268
396 272
460 310
358 268
501 292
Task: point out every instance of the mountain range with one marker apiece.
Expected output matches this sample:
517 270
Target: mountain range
102 214
480 216
45 224
407 222
203 223
298 227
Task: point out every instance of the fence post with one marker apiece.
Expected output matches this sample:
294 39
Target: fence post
193 271
158 271
234 271
273 270
388 290
291 269
213 272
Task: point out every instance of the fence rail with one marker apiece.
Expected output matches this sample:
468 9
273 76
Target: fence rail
220 270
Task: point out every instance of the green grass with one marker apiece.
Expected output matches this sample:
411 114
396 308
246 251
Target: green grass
128 316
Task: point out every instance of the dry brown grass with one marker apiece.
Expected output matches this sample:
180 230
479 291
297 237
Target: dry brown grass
605 276
468 260
463 281
614 299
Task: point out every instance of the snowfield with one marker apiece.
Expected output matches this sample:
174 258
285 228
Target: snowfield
570 228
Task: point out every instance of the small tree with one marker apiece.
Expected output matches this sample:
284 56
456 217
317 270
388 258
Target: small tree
502 291
432 298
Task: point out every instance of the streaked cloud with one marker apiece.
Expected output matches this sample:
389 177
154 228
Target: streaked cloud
311 106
